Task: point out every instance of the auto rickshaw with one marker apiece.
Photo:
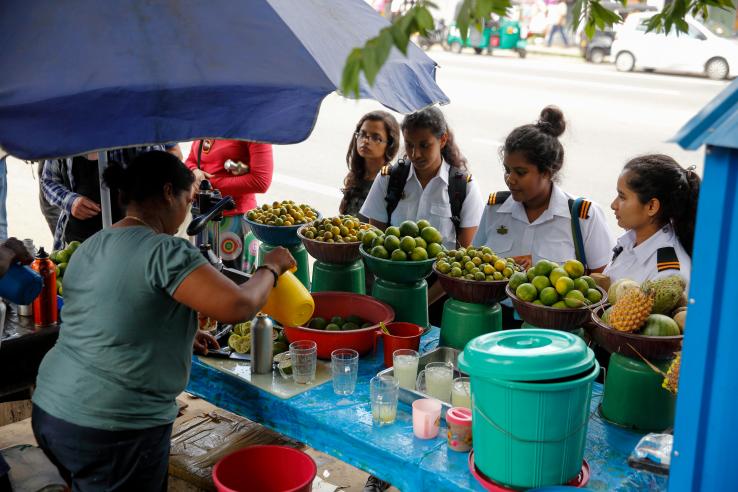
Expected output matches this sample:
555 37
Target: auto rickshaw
503 34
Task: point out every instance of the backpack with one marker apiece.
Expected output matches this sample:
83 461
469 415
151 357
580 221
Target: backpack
457 181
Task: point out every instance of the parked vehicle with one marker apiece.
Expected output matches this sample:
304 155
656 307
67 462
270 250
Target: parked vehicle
697 51
439 36
504 34
597 49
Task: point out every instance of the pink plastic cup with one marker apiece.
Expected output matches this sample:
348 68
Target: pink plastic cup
426 418
459 421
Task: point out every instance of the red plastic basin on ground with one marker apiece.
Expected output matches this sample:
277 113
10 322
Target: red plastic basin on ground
265 469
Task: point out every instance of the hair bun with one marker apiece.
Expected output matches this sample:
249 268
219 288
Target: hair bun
552 121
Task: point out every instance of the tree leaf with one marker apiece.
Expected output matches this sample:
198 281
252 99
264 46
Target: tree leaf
425 21
350 75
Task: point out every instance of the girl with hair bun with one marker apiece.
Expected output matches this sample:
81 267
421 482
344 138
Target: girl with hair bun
657 205
536 219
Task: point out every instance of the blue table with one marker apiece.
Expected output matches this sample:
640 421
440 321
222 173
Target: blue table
342 427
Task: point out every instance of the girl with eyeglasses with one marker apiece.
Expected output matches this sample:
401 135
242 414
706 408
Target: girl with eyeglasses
373 145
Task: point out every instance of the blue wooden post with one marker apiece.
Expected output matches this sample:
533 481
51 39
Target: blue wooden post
706 428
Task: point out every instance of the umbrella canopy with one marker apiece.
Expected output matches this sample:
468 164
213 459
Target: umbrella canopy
84 75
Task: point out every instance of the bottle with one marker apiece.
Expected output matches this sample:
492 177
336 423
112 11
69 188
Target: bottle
261 344
44 306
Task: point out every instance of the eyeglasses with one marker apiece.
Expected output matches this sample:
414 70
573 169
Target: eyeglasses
365 136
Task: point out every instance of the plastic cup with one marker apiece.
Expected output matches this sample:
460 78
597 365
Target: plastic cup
459 422
345 369
383 392
426 418
461 393
436 380
304 355
405 367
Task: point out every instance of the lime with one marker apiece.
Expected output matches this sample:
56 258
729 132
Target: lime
488 269
574 268
531 273
556 274
544 267
72 246
59 289
279 347
352 318
54 256
574 299
391 243
393 231
443 267
455 264
527 292
486 250
500 265
398 255
422 224
419 254
538 302
378 241
241 344
479 276
456 272
409 228
64 255
498 276
507 272
581 285
469 266
337 320
560 305
62 268
380 252
431 235
516 279
564 285
349 326
368 238
407 244
318 323
333 327
434 249
540 282
594 296
590 281
419 241
549 296
242 329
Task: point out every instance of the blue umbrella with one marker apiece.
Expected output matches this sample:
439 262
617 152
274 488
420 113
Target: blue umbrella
84 75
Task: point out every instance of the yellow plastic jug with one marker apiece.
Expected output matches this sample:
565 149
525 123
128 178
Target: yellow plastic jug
290 303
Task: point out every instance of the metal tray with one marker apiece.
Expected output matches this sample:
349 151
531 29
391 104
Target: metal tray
440 354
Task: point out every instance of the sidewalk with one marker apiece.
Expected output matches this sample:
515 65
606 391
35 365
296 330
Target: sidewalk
555 50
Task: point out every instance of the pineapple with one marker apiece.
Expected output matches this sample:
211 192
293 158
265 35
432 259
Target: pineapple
671 381
631 311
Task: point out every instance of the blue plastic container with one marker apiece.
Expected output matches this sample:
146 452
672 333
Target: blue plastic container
20 284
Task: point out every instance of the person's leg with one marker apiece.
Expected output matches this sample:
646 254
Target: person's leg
551 32
3 200
563 36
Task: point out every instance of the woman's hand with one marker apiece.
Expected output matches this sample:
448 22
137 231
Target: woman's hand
281 259
202 341
12 251
200 175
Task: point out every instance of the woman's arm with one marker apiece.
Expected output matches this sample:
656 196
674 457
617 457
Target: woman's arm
379 225
259 177
466 235
209 292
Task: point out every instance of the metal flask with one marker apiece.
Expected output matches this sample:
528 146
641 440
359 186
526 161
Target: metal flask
261 344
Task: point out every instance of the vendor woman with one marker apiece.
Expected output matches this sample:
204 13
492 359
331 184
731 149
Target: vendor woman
425 184
533 220
373 145
105 396
657 206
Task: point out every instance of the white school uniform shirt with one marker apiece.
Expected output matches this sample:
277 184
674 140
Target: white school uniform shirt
431 203
642 262
505 228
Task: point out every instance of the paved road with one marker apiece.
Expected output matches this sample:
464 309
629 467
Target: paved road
612 116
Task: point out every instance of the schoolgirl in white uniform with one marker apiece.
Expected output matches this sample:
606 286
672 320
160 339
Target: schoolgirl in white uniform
657 205
435 169
533 220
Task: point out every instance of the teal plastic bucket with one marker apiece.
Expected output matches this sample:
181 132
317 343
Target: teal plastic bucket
531 392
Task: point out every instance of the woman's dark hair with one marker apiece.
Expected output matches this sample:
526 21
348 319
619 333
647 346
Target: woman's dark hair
432 119
145 176
357 165
677 190
539 142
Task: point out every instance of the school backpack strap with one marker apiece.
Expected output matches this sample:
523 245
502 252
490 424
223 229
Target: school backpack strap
579 209
666 259
498 198
457 182
395 188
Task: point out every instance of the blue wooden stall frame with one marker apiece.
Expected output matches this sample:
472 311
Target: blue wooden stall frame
706 426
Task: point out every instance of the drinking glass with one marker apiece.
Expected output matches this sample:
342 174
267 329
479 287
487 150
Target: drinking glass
405 367
383 391
461 393
304 355
345 369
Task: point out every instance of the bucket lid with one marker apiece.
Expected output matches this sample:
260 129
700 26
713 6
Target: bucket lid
526 355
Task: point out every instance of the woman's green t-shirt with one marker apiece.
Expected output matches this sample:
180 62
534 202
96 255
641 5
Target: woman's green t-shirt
125 345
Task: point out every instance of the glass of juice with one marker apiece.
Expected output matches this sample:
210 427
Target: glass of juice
461 393
405 367
438 378
383 391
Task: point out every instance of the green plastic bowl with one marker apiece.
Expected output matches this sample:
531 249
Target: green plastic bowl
404 272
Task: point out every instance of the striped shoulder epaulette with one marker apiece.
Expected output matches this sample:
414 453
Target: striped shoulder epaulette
498 197
666 259
385 171
584 209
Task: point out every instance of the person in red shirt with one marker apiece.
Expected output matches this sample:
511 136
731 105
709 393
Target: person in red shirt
242 183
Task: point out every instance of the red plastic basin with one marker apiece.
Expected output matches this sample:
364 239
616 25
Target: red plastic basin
266 469
329 304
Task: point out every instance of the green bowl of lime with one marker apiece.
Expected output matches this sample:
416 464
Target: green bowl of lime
404 271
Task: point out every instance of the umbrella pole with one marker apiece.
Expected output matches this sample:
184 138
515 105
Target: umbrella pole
102 163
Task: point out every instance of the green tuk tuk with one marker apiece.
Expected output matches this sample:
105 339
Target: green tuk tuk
496 35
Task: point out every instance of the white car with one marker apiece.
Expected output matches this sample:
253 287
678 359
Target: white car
698 51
